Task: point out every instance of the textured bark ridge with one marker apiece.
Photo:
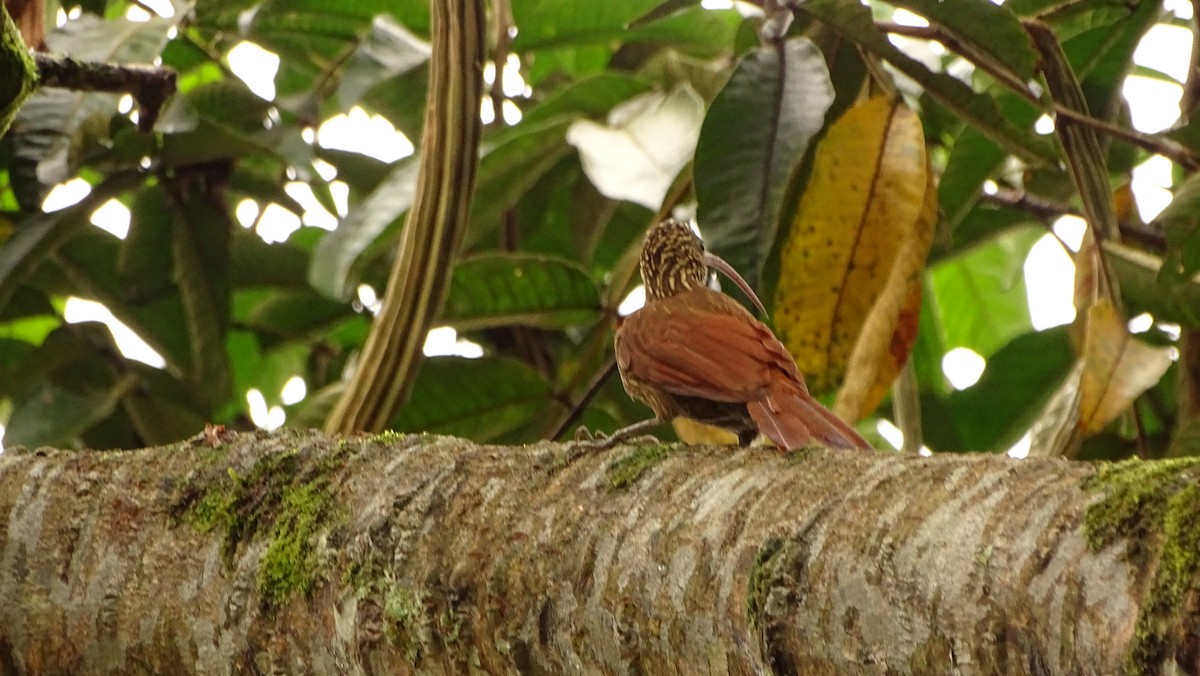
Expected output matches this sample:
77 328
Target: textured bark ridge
294 553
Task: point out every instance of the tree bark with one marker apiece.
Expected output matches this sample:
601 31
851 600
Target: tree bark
293 553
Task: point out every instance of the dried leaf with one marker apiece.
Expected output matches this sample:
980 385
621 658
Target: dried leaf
865 194
1117 368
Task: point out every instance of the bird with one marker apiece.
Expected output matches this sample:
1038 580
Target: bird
696 352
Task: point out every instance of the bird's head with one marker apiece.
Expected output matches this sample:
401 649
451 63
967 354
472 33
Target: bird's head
674 260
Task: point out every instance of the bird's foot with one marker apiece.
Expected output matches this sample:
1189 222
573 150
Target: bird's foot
589 441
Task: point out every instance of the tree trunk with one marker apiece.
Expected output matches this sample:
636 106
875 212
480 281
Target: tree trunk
293 553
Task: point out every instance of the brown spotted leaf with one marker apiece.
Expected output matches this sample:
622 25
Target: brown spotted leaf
865 193
890 329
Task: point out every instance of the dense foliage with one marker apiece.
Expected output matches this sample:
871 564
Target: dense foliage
879 237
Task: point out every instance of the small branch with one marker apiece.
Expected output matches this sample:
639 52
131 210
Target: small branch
1173 151
1191 88
150 86
1150 142
1047 209
968 52
906 407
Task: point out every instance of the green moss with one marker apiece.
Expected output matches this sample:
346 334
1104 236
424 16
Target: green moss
762 577
210 455
403 609
451 621
286 497
389 437
290 566
18 74
630 468
215 509
1153 507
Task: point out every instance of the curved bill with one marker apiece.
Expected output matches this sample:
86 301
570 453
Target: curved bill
717 263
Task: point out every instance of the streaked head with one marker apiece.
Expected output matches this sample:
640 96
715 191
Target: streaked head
674 261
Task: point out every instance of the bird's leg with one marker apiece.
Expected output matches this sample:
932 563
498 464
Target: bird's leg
588 441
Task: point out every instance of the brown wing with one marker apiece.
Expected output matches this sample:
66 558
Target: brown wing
702 344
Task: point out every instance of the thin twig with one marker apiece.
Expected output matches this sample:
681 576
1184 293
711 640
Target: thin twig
965 50
1191 86
1150 142
1046 209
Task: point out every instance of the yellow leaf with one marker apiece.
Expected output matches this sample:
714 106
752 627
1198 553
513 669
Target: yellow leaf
1116 368
890 329
692 432
865 193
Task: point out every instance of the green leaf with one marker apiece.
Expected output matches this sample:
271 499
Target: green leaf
973 159
288 313
755 134
1143 290
930 347
479 399
401 99
592 96
504 289
991 29
333 267
1103 56
32 330
256 263
361 173
1020 378
551 23
53 415
39 236
201 243
64 387
161 408
982 223
696 31
853 21
89 266
312 36
224 119
1181 223
981 292
509 169
144 264
388 50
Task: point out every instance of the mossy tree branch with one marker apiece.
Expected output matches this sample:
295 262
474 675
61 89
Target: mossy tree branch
293 552
18 74
21 72
150 86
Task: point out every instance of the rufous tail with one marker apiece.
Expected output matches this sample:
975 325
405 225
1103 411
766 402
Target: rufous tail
792 419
